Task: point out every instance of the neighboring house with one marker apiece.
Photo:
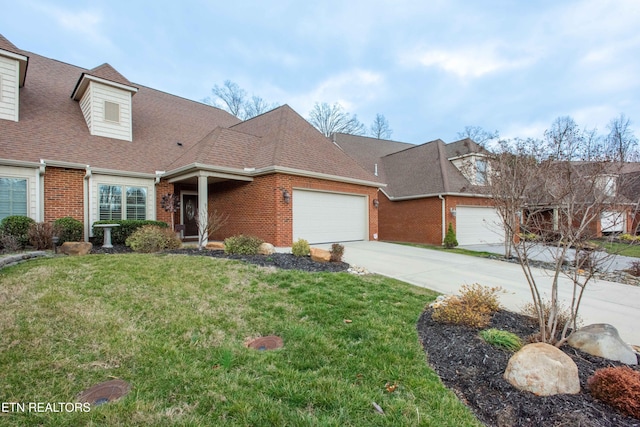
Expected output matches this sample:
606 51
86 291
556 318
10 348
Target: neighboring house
429 186
92 145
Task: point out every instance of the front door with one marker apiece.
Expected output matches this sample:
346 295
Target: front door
190 214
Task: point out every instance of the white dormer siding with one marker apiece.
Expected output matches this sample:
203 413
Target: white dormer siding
9 92
107 111
474 167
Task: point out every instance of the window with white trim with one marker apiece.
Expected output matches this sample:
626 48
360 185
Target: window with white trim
481 172
113 206
111 112
13 197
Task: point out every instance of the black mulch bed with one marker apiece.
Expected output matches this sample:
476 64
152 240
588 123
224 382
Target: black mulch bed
473 369
279 260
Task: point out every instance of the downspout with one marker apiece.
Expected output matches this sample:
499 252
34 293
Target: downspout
86 201
444 219
40 192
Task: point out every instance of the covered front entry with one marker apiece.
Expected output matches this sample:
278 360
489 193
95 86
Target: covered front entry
478 225
188 215
323 217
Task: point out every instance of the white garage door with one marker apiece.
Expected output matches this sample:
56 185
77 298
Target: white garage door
329 217
612 222
478 225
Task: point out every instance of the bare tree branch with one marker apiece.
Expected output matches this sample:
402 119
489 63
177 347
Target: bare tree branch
380 127
330 119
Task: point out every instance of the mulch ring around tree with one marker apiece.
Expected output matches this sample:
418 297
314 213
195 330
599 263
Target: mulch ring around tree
473 370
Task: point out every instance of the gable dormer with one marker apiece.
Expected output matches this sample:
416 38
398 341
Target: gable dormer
105 100
13 71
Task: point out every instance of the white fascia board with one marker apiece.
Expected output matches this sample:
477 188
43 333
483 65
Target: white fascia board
20 163
424 196
308 174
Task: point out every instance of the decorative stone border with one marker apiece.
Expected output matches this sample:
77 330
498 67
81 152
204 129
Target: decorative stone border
8 260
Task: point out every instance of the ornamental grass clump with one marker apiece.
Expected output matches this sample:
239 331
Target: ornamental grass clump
300 248
151 238
473 307
242 245
502 339
618 387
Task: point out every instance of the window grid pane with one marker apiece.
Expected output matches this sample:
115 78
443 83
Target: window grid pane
136 203
13 197
110 202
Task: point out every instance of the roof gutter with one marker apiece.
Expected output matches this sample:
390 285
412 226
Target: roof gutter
424 196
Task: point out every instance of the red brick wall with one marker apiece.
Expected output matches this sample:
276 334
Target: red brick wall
257 207
163 188
420 220
63 193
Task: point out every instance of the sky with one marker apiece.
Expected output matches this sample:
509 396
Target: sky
430 67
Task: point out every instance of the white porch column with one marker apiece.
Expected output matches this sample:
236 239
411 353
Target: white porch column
203 209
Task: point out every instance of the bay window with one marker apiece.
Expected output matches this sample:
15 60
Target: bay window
122 202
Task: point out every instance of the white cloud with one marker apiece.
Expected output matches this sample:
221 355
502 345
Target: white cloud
467 62
350 89
86 23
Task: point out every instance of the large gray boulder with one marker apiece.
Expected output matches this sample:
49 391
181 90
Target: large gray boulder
603 340
543 370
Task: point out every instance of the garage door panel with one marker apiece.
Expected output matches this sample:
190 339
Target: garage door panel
478 225
321 217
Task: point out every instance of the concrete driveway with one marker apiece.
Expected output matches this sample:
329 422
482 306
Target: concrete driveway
603 302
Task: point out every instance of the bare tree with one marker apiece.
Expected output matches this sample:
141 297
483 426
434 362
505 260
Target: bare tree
232 98
553 205
478 135
330 119
171 203
380 127
209 223
621 140
229 96
256 106
563 139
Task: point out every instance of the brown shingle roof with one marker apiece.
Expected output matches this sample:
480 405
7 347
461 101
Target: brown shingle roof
8 46
413 170
52 127
287 140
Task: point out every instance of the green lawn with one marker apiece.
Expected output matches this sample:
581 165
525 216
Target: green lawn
626 249
175 327
461 251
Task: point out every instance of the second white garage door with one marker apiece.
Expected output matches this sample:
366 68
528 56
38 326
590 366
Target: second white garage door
478 225
320 217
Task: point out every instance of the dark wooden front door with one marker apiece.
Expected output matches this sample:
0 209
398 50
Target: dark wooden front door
190 214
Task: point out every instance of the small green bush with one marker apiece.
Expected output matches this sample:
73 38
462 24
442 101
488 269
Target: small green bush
618 387
126 228
337 250
473 307
301 248
67 229
18 227
242 245
41 235
502 339
151 238
450 240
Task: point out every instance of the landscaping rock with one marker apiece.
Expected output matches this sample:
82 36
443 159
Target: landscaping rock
266 249
602 340
543 370
320 255
215 246
75 248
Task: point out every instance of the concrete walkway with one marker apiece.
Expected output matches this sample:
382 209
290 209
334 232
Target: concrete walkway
603 302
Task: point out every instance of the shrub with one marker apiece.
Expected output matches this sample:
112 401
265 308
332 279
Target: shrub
18 227
301 248
502 339
473 307
242 245
634 268
67 229
618 387
9 243
450 240
563 315
119 235
152 238
41 235
337 250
